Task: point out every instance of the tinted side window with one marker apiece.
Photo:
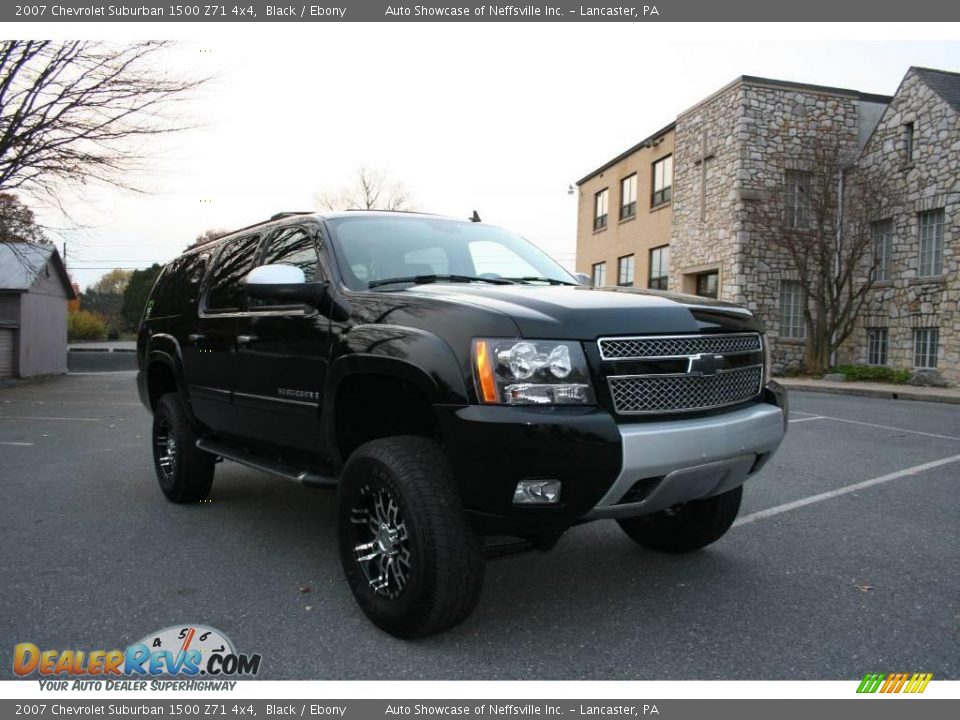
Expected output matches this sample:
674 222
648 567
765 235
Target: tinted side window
179 285
293 246
226 281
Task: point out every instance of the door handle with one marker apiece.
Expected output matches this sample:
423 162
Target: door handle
244 339
195 337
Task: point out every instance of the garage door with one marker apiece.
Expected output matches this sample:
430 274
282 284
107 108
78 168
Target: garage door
6 352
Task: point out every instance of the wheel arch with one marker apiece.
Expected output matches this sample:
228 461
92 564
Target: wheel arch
164 372
370 396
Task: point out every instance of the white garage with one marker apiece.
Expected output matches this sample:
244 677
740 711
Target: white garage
8 344
34 291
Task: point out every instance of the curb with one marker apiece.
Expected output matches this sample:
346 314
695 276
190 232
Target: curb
101 350
894 393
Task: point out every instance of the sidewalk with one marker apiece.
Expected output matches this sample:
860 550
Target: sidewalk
104 346
872 389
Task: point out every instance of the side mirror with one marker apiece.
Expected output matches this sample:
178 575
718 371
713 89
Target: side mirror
583 278
285 283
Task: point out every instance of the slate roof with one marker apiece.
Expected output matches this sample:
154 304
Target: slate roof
945 84
20 263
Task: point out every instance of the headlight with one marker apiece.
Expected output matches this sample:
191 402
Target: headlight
531 372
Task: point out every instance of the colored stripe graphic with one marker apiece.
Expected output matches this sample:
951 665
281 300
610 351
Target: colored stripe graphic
894 682
870 683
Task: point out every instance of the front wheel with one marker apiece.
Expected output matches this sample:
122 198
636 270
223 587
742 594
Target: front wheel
185 473
409 555
689 527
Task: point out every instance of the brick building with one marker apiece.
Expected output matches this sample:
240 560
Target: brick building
743 156
624 216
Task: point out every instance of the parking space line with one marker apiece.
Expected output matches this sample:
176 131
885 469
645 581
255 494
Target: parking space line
803 502
804 419
38 417
890 427
17 444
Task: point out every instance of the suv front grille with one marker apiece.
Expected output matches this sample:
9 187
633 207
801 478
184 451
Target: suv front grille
634 394
633 348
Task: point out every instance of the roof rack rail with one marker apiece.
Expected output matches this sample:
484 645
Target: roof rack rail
408 212
275 216
289 213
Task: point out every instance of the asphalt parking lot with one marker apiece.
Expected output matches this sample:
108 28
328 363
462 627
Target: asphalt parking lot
846 559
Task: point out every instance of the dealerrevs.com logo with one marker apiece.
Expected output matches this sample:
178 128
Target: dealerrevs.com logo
187 652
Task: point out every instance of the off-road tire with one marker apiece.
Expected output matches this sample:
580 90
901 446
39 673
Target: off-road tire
189 476
692 526
445 574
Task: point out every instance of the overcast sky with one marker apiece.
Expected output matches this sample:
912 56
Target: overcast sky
497 118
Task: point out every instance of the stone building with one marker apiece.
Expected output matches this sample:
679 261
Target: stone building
913 319
737 152
743 162
624 216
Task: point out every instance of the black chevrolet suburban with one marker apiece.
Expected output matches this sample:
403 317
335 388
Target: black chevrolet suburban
461 391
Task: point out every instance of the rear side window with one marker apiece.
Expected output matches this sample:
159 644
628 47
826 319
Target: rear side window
234 262
179 286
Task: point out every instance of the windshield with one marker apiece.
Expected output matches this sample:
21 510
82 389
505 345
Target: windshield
371 249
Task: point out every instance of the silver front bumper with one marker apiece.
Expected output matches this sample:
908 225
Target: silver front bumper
693 458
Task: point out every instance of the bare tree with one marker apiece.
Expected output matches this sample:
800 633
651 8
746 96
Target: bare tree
77 112
821 218
371 190
208 236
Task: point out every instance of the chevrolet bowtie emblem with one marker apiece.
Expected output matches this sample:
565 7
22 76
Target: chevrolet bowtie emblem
701 364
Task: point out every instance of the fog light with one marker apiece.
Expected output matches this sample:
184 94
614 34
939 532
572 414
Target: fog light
537 492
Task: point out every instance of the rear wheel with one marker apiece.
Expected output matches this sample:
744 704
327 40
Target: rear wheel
689 527
184 472
409 555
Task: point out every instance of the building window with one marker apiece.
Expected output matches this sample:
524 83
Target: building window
625 267
600 202
662 181
797 196
659 267
925 342
628 197
908 142
599 274
882 232
708 284
791 310
931 243
876 346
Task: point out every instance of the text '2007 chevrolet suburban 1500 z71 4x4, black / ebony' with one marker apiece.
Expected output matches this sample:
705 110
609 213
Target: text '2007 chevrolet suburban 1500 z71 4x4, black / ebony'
457 387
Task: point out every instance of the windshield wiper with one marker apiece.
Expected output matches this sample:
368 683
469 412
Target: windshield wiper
424 279
534 278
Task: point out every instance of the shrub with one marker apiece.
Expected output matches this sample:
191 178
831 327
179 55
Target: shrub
84 325
872 373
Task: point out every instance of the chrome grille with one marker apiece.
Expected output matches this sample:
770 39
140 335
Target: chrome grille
677 345
679 393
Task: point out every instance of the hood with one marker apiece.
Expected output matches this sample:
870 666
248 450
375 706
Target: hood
566 312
